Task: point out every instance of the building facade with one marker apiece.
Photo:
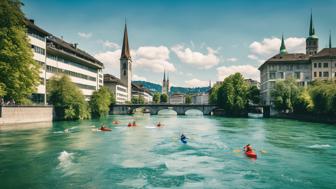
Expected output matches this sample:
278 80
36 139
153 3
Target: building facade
304 68
140 92
177 98
57 56
117 87
202 98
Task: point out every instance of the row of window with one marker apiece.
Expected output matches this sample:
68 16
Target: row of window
52 69
322 74
121 89
82 86
272 75
121 95
36 35
319 65
287 67
59 59
38 49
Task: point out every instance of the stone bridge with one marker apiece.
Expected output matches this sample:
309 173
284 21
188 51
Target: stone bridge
153 109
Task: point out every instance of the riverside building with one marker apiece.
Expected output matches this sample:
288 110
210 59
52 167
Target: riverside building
304 68
117 87
58 56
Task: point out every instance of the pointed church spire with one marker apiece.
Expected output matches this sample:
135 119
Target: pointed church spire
168 76
125 51
164 75
330 45
311 26
283 47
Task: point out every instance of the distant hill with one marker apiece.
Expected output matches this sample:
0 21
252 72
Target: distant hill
184 90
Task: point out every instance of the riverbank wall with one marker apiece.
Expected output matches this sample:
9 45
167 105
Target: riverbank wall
307 117
25 114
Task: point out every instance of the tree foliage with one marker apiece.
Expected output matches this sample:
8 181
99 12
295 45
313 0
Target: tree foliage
19 73
2 90
284 94
68 101
163 98
156 98
188 99
213 94
254 94
100 102
138 100
232 95
323 95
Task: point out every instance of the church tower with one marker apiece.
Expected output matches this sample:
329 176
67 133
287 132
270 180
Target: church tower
126 65
312 39
283 49
164 87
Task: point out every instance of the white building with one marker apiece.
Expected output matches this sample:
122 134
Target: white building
57 56
324 64
177 98
202 98
139 91
117 87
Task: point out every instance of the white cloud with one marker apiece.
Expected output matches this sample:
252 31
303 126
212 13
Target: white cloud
110 44
271 46
186 55
248 71
84 35
196 83
111 61
232 59
138 78
155 59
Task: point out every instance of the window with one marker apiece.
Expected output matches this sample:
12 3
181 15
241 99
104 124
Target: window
289 67
325 65
325 74
281 75
297 67
315 75
124 72
320 74
297 75
272 75
38 49
124 66
319 65
52 69
315 65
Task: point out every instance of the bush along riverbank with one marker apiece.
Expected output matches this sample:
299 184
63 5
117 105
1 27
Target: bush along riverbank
315 103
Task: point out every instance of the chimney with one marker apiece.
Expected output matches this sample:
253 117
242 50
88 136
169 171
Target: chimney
32 20
75 45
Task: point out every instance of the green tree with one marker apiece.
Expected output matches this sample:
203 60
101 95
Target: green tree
100 102
138 100
156 98
284 94
68 101
2 90
323 94
303 103
188 99
113 98
18 71
254 94
163 98
232 95
213 94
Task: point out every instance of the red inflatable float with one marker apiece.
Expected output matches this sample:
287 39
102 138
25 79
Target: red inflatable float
251 154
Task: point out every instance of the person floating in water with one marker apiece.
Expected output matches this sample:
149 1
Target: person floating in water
183 139
115 122
248 148
129 124
159 124
134 124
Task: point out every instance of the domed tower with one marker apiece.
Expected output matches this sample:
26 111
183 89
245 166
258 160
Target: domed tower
312 39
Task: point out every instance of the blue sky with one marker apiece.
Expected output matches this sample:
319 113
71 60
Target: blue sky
195 40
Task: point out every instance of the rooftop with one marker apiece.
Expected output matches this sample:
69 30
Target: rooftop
287 58
30 23
325 53
108 78
60 44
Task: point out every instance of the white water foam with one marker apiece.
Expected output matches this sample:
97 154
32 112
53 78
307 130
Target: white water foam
65 159
319 146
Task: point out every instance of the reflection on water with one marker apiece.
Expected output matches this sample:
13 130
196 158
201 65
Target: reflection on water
291 154
167 112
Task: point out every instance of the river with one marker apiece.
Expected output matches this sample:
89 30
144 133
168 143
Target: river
291 154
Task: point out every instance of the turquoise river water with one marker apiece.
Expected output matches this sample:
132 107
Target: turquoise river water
291 154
